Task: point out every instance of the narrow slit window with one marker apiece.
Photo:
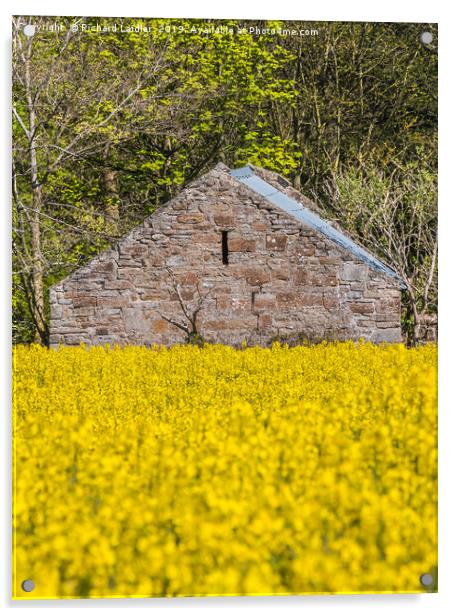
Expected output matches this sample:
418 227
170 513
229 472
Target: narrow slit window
225 251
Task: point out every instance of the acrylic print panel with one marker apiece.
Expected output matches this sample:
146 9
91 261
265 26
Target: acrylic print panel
225 300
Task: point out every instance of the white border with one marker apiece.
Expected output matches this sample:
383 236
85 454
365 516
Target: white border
336 10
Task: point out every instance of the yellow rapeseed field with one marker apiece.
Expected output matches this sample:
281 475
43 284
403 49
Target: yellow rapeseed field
215 471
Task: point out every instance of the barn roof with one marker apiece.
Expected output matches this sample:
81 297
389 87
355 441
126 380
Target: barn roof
246 176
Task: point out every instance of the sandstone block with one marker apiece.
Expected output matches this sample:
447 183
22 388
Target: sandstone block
311 299
118 285
84 311
114 302
277 241
326 260
187 278
387 335
361 307
238 244
84 301
259 225
223 303
280 274
354 272
256 275
330 301
385 324
160 326
191 218
240 304
263 301
224 220
104 266
286 299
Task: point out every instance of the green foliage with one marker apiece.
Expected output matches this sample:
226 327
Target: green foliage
126 119
270 151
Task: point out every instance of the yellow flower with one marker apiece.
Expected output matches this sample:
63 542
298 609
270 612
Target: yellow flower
169 472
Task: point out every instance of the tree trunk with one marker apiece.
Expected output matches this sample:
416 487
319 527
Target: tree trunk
38 312
297 180
416 321
111 198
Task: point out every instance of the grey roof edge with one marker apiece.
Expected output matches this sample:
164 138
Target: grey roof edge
305 216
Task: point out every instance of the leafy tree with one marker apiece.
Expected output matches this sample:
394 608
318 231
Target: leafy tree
394 213
108 125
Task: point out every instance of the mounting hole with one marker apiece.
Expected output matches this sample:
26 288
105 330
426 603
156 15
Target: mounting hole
29 30
426 579
426 38
28 585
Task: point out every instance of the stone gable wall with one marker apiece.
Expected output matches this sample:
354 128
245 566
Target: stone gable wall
282 281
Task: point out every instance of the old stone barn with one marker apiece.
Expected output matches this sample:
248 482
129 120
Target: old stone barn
238 255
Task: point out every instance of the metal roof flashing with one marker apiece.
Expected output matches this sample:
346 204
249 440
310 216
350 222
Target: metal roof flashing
246 176
242 172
